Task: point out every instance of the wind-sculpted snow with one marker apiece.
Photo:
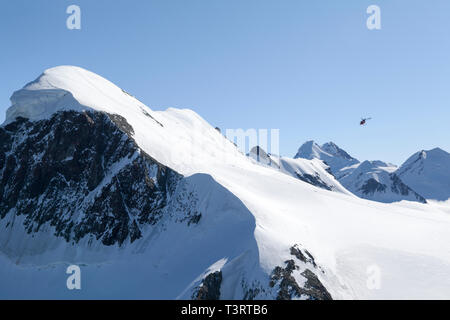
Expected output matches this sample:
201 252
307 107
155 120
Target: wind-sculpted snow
221 212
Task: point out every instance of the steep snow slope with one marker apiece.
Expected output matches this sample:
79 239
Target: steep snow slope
260 155
376 180
428 172
348 237
329 152
314 172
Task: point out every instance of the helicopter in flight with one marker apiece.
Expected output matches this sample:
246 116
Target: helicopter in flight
364 121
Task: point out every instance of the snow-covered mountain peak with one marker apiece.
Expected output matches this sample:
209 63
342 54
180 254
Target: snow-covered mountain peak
175 137
309 150
333 149
435 155
313 171
427 172
329 152
376 180
70 88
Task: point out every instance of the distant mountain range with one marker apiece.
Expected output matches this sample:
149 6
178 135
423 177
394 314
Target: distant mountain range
425 175
314 171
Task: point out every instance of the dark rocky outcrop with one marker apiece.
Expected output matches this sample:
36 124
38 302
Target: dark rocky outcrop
399 187
151 117
314 288
328 169
303 255
371 186
84 175
282 278
210 287
314 180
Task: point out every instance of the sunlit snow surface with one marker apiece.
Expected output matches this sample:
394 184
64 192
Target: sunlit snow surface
249 231
428 172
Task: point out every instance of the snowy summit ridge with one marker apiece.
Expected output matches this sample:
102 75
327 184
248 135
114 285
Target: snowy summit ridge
68 88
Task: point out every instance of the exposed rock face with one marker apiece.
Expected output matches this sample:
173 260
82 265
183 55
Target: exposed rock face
372 186
330 153
316 173
314 288
284 278
372 180
253 291
303 255
315 180
83 174
399 187
378 181
210 287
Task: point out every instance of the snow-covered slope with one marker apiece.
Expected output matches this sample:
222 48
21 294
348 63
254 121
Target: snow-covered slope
262 157
330 153
376 180
428 172
263 234
372 180
314 172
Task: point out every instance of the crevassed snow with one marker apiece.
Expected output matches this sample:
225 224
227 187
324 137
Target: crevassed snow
408 242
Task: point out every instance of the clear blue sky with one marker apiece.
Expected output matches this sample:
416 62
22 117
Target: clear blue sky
309 68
